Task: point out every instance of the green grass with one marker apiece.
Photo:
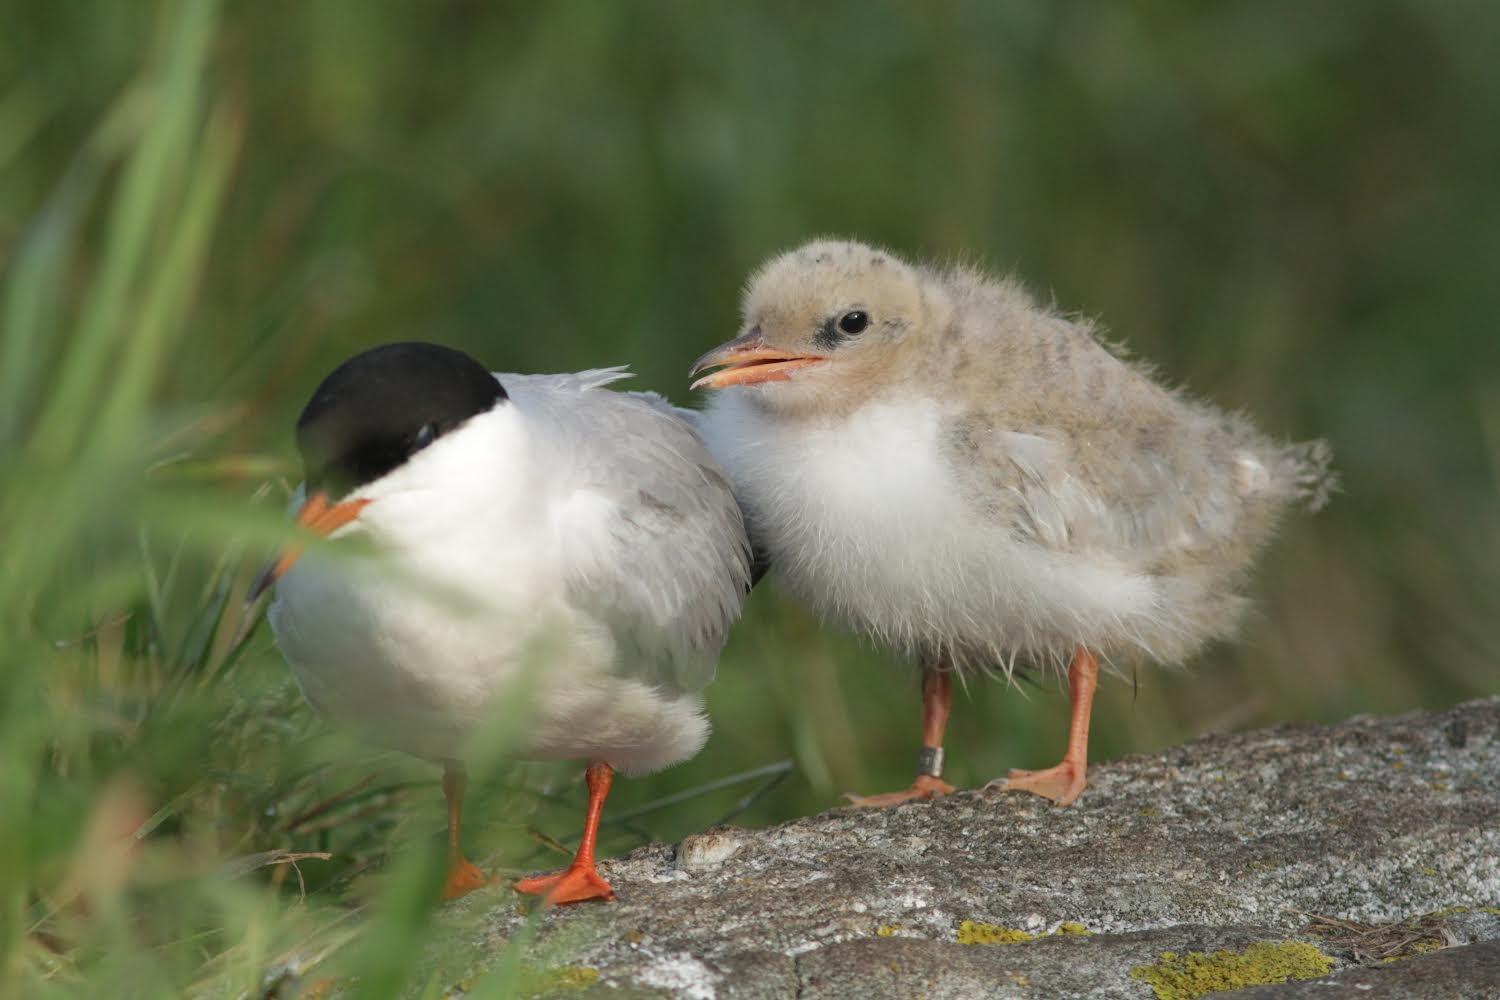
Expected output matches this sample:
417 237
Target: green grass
203 208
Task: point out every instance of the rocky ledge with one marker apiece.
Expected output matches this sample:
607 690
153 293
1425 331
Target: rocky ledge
1359 859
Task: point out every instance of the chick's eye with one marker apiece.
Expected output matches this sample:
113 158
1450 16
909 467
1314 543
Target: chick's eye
426 434
854 322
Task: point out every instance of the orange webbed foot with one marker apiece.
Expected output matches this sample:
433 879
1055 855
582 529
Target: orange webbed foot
925 787
1062 783
463 878
571 885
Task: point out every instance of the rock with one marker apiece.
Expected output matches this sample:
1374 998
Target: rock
1202 866
708 850
1469 971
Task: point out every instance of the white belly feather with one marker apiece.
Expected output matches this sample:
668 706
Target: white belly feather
865 521
498 641
429 677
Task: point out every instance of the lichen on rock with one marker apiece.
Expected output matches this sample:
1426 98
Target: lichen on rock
1250 834
1196 974
564 979
975 932
978 932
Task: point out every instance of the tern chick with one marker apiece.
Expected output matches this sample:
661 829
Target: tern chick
931 458
596 545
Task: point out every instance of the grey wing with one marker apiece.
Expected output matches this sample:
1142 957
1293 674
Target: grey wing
1197 484
667 566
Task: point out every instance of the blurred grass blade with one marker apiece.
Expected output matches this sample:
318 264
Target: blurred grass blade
23 113
776 772
140 202
198 644
167 297
35 291
34 298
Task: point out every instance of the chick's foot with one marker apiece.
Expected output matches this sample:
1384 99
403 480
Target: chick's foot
925 787
1062 783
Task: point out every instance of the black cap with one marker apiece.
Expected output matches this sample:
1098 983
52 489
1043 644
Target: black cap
379 408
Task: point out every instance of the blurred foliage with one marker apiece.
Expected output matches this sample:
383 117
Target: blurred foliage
1292 208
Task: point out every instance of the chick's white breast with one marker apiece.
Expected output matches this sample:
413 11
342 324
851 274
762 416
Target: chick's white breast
866 519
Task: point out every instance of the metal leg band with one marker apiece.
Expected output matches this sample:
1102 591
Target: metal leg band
930 761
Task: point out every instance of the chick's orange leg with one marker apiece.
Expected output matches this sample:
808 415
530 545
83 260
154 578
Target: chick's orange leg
937 701
463 875
1064 782
579 882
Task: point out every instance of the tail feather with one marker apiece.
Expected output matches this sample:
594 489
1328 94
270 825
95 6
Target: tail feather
1305 470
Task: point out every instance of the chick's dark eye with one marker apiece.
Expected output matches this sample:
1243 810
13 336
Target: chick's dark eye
854 322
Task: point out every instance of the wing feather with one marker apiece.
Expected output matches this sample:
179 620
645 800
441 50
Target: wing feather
652 539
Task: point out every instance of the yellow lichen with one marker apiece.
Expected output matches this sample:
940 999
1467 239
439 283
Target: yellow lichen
1419 947
975 932
567 977
1196 974
887 930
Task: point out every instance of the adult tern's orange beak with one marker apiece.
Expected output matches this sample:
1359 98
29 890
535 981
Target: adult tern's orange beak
746 361
318 516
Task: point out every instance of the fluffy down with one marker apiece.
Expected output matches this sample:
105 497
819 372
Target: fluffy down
981 478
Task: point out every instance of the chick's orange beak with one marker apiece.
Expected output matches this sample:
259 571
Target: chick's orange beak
746 361
318 516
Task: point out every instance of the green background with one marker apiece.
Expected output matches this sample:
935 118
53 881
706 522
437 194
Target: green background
1291 208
